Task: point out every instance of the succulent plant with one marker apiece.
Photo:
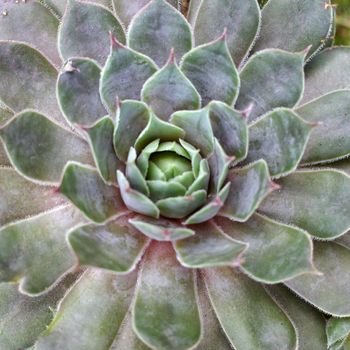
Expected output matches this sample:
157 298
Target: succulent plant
173 175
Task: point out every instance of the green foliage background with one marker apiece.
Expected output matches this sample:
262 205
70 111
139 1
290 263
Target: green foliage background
343 21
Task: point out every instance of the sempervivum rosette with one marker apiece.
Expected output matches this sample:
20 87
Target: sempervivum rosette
167 177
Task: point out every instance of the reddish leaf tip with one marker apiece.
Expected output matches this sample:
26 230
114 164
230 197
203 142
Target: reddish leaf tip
306 50
171 59
118 102
223 35
315 124
274 186
114 41
247 111
230 159
56 190
69 68
218 202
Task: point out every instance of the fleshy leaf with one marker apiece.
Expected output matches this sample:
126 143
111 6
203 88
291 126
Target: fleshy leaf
134 200
329 141
155 173
99 297
158 28
161 229
21 65
315 200
202 180
270 79
164 189
113 246
132 118
238 302
213 335
126 10
18 25
168 91
21 198
230 128
337 329
309 23
126 338
34 251
211 209
219 164
166 316
241 18
40 148
249 186
179 207
143 159
211 70
83 186
84 31
197 127
58 6
23 317
329 291
275 253
309 323
77 91
327 72
209 247
101 139
158 129
134 175
280 138
124 74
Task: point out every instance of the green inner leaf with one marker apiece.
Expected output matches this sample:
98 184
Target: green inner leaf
170 163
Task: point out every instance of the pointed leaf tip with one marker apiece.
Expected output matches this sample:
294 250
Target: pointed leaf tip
115 43
247 111
171 59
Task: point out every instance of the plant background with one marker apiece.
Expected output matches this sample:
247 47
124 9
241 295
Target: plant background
343 21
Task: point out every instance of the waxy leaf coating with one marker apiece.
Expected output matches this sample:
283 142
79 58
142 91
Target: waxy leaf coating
169 91
314 200
165 312
271 79
211 70
78 93
157 29
39 148
124 75
78 39
83 186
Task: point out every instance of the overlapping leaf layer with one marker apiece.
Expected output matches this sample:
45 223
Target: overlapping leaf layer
173 178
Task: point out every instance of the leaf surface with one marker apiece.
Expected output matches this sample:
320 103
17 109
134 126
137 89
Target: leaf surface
84 31
238 302
78 93
270 79
34 251
249 186
83 186
314 200
275 252
99 297
157 29
39 148
293 25
329 291
165 312
241 18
